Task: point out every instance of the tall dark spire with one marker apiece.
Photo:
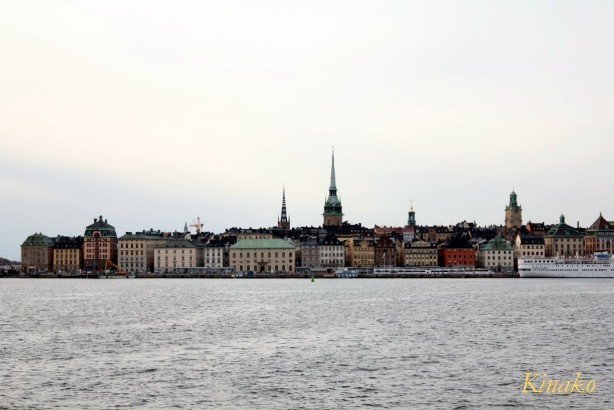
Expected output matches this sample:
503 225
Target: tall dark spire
284 222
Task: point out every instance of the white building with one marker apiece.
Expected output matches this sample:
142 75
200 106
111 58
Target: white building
497 255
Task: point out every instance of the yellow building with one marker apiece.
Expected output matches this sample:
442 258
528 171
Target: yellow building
67 254
360 252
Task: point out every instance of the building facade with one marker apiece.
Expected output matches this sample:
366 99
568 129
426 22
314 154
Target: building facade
37 254
331 252
136 251
310 253
420 253
263 255
529 246
599 237
99 245
563 240
67 254
214 255
177 255
497 255
458 252
360 252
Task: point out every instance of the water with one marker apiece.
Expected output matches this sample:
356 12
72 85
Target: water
293 344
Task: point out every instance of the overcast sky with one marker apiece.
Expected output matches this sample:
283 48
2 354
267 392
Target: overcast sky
153 113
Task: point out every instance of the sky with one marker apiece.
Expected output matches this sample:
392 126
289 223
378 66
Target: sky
154 113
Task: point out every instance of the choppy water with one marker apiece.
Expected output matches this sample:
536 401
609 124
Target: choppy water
293 344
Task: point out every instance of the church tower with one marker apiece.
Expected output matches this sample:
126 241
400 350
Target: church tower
513 213
411 217
284 222
333 216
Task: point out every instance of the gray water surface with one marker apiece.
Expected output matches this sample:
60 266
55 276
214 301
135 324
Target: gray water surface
293 344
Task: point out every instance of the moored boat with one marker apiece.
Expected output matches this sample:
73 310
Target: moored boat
599 265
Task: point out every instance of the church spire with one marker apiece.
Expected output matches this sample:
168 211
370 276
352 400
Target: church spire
284 222
333 215
333 184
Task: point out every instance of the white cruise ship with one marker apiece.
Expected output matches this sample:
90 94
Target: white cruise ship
600 265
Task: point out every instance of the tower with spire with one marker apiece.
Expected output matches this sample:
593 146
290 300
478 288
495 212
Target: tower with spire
284 221
411 216
513 213
333 215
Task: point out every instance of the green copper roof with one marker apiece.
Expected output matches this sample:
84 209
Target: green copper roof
562 229
497 244
101 226
38 239
262 244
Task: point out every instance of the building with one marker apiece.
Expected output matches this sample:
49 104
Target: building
435 234
215 253
420 253
530 246
176 256
263 255
67 254
360 252
310 253
37 254
136 251
333 215
563 240
457 252
513 213
99 245
332 252
497 254
386 251
599 237
284 221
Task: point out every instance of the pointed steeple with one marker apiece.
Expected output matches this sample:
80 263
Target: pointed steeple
284 222
333 214
333 184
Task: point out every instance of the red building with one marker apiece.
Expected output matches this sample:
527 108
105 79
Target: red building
457 252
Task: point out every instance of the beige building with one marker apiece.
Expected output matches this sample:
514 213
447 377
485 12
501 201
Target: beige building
420 253
360 252
136 250
263 255
529 246
563 240
177 255
310 253
36 254
497 254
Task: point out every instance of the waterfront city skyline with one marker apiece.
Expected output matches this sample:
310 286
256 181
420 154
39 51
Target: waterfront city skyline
155 116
